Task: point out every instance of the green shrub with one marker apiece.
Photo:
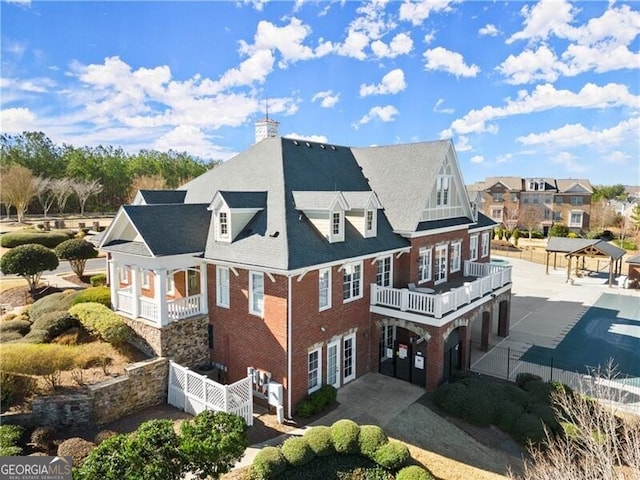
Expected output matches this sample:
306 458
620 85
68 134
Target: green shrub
7 337
268 464
15 388
9 438
413 472
297 451
459 375
319 440
47 239
370 438
94 295
507 413
479 409
540 390
546 413
35 336
24 359
77 448
317 401
54 323
528 428
20 326
103 435
98 280
43 437
99 320
573 235
344 434
514 394
392 455
56 302
451 398
305 408
525 377
559 230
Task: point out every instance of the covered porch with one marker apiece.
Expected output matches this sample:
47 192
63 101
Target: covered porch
486 281
158 295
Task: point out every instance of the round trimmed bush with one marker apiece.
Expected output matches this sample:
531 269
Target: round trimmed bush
297 451
7 337
370 438
268 464
540 390
413 472
100 295
99 320
392 455
344 434
452 398
507 413
35 336
43 437
319 440
56 302
103 435
525 377
98 280
479 409
528 428
20 326
77 448
514 394
54 323
46 239
546 414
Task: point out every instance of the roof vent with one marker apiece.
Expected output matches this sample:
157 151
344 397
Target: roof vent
275 234
333 147
295 142
308 144
322 146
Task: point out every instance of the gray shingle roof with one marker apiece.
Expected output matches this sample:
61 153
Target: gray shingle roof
171 229
314 200
565 184
128 247
571 245
245 199
162 196
634 260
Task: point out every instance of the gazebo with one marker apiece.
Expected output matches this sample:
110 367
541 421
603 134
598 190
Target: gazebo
581 248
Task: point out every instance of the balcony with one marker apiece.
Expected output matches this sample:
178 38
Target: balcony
435 308
149 308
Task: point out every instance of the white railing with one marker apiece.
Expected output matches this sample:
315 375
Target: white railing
194 393
149 309
183 307
439 304
125 301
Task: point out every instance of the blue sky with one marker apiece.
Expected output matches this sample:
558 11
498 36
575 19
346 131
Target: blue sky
549 88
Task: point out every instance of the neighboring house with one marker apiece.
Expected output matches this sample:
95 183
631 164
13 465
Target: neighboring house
514 200
312 264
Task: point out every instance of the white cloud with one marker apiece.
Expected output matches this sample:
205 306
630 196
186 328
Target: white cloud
477 159
542 98
440 58
429 37
327 98
569 161
462 145
187 138
384 114
371 25
543 19
253 69
16 120
616 157
310 138
392 83
504 158
573 135
401 44
437 109
13 47
418 12
531 65
488 30
257 4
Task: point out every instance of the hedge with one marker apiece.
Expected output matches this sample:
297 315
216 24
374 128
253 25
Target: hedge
56 302
269 463
19 326
94 295
98 280
54 323
9 437
47 239
320 441
100 321
392 455
370 438
528 428
317 401
413 472
297 451
344 434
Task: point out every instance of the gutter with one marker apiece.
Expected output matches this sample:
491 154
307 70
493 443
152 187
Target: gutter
289 346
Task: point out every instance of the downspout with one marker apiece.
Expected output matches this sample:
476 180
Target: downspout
289 342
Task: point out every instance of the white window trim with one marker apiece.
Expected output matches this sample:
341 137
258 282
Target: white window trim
336 344
124 274
219 285
310 388
321 272
224 237
370 232
456 247
144 278
380 262
428 254
252 293
352 337
485 244
350 268
171 283
336 237
576 224
441 248
473 247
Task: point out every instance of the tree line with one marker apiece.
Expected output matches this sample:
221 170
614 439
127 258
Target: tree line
77 178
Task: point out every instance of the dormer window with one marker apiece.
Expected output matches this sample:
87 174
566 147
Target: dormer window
337 227
369 222
232 211
335 223
223 225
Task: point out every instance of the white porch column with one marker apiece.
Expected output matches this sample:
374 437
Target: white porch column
160 295
204 288
113 283
135 287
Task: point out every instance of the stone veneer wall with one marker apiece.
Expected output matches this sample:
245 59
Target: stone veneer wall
143 385
184 341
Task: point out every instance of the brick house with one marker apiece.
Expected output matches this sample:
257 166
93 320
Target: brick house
508 200
312 264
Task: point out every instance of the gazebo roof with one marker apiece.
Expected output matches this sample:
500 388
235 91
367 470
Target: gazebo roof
584 247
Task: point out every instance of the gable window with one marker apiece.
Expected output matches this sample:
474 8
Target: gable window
352 282
442 190
424 265
324 289
456 249
576 201
497 197
440 265
485 244
473 247
383 276
369 223
223 225
222 286
315 370
256 293
576 219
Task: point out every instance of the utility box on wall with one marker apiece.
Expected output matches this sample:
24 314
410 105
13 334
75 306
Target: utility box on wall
276 395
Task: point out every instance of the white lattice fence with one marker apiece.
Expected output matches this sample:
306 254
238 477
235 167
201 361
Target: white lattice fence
194 393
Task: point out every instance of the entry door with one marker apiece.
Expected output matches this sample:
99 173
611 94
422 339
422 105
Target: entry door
349 358
333 364
440 264
403 360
